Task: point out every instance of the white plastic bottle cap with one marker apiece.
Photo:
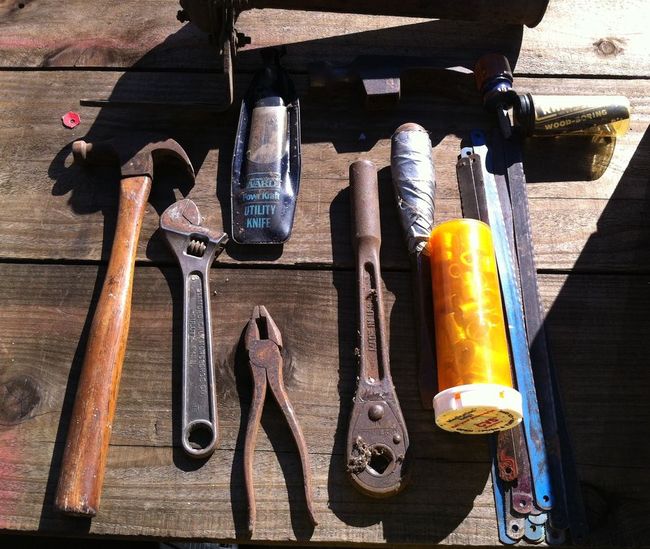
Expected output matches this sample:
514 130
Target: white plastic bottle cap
478 409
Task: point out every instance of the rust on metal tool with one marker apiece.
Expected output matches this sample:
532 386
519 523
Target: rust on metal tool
522 489
507 456
377 440
263 341
515 522
195 248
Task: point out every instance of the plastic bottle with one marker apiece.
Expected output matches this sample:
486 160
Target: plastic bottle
475 384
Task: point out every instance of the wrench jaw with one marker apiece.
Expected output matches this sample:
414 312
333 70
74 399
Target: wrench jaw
191 243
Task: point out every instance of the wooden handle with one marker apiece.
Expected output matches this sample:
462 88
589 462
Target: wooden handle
84 458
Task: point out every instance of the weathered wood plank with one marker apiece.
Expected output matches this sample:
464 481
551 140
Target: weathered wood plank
52 211
596 324
610 41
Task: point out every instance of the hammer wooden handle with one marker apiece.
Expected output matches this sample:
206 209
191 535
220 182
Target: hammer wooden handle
84 458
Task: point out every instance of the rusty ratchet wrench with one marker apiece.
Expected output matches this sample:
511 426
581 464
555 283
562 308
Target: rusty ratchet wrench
195 248
377 439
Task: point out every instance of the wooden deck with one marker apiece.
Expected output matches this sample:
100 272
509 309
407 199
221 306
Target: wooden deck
592 243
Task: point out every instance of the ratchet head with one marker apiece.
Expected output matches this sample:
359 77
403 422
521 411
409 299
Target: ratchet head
376 446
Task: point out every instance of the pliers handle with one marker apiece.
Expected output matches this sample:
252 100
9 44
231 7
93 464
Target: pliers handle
263 342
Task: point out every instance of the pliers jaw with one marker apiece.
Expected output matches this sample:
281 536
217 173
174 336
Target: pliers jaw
261 326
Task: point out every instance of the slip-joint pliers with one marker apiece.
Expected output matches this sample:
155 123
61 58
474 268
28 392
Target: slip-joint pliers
263 342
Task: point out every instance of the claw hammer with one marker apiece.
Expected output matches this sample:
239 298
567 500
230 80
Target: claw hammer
84 458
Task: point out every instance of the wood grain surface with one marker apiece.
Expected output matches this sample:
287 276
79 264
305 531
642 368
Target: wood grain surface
589 205
576 37
151 488
57 211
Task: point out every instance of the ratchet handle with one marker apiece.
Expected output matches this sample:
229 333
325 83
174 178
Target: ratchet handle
366 239
364 197
199 423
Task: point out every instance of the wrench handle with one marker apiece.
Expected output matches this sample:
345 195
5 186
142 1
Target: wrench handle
84 458
200 427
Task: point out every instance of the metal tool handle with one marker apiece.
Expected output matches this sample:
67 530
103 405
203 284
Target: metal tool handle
84 457
365 205
199 425
373 347
377 439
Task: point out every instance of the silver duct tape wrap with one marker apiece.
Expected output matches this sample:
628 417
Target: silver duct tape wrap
414 183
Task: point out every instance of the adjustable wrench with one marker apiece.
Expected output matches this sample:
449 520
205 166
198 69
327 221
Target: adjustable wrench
377 440
195 248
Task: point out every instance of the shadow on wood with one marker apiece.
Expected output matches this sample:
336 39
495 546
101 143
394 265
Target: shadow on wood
50 519
546 158
597 330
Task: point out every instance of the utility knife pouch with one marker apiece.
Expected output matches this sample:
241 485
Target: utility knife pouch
266 159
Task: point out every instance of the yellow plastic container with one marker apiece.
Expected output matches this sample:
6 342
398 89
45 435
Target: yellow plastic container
476 393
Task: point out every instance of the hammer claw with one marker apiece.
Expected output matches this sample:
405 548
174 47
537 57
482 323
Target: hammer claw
134 157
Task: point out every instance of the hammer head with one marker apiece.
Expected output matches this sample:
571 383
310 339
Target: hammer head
134 157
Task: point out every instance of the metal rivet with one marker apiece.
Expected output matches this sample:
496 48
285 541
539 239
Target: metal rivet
376 412
397 438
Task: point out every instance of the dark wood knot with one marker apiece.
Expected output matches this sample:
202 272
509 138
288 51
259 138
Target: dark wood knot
18 397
